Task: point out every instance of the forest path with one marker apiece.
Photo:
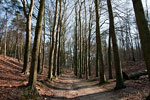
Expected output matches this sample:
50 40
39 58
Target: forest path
69 87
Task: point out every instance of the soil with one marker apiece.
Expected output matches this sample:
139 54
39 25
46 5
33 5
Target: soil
67 86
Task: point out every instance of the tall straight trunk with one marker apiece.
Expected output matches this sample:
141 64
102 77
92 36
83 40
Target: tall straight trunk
83 52
80 55
51 56
28 35
15 55
43 58
76 42
110 57
119 77
39 67
132 50
139 51
56 44
55 53
60 21
144 32
86 43
5 41
36 45
98 42
89 41
58 56
97 64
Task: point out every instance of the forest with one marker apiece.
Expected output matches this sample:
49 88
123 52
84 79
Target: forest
74 49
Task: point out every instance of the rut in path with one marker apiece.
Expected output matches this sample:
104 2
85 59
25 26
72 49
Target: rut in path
69 87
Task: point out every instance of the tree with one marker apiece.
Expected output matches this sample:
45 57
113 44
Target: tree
119 77
98 42
56 44
80 54
28 16
5 45
76 42
110 57
86 44
144 32
89 41
60 25
36 46
51 55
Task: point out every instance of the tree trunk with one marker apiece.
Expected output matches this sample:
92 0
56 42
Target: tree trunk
76 42
89 41
80 55
51 56
5 41
86 44
119 77
98 41
35 50
43 60
97 64
39 67
28 36
144 31
60 21
110 57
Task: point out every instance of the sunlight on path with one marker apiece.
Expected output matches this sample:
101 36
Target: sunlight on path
68 87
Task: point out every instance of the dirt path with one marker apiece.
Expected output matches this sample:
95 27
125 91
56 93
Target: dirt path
68 87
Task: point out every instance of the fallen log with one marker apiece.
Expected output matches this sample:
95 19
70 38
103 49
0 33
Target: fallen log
134 76
137 75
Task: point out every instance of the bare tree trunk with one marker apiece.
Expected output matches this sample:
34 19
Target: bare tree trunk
35 50
76 40
144 32
51 56
28 35
97 64
89 41
39 67
98 41
60 21
5 41
119 76
86 44
110 58
43 60
80 73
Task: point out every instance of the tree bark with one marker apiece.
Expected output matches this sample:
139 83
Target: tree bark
98 42
51 56
60 25
28 35
76 42
119 77
110 57
144 32
56 44
5 41
43 58
35 50
89 41
80 55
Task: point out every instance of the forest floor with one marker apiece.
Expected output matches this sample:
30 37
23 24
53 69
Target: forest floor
67 86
